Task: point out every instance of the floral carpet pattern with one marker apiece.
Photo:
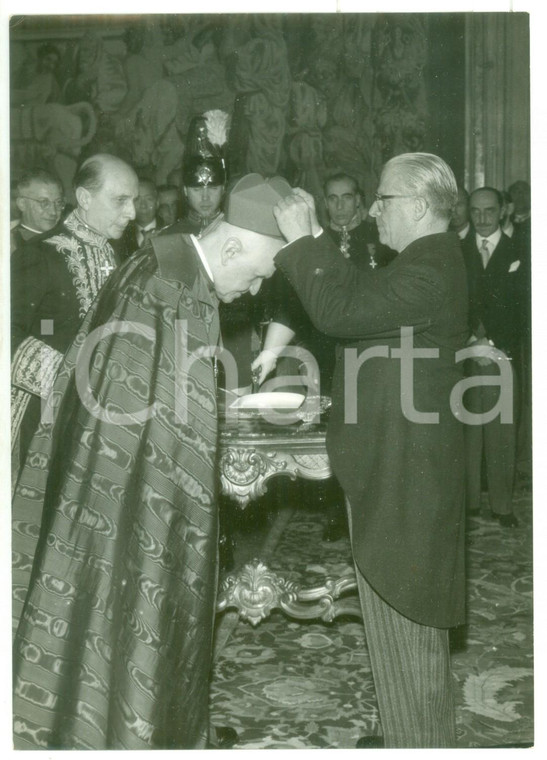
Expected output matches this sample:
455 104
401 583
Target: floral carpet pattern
285 684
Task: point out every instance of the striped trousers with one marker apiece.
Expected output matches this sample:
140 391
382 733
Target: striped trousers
411 671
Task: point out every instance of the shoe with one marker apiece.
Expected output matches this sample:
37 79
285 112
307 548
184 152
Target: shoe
225 738
370 742
507 521
333 531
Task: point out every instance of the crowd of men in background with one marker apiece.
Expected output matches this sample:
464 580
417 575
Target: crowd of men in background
494 228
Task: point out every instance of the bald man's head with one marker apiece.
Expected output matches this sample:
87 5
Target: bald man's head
106 188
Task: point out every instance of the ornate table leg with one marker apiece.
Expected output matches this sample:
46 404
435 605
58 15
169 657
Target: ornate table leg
255 591
245 471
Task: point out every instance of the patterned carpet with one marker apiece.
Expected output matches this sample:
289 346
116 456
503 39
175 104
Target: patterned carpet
303 685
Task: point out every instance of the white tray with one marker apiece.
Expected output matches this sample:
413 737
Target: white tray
278 401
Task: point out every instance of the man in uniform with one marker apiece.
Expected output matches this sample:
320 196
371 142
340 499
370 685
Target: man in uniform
204 184
39 199
393 441
54 279
123 585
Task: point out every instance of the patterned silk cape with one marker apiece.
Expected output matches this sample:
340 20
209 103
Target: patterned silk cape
113 646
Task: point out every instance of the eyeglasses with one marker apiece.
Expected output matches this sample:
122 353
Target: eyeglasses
46 204
381 198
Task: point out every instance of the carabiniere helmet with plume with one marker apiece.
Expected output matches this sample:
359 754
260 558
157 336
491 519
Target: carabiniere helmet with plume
204 163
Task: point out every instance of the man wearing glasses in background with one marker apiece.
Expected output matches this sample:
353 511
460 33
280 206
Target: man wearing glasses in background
40 201
56 275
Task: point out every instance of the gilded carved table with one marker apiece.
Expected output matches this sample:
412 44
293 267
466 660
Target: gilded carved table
253 450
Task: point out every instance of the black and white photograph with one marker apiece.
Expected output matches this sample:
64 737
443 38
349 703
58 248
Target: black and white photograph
268 432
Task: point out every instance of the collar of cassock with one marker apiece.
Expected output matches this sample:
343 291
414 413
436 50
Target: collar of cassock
353 223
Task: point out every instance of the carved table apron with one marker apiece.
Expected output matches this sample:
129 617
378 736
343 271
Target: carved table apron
251 452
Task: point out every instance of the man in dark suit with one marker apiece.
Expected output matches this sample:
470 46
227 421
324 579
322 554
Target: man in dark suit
145 224
393 440
356 237
497 308
169 204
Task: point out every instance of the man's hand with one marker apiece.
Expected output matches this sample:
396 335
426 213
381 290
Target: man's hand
486 353
295 215
264 363
316 228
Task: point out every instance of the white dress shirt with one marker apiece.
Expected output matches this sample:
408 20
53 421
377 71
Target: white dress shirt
492 241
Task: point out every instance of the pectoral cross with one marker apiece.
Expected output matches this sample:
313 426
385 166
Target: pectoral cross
344 243
371 258
107 268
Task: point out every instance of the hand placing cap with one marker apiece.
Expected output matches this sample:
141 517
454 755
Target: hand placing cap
251 201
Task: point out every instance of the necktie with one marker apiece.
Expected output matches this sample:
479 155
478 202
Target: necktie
146 235
485 253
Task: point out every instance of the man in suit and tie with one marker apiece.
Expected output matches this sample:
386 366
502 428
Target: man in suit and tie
401 470
169 204
145 225
497 311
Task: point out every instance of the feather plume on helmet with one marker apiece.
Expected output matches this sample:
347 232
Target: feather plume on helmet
204 162
217 123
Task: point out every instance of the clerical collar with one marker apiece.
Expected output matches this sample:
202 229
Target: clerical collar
351 225
201 255
493 239
87 226
30 229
